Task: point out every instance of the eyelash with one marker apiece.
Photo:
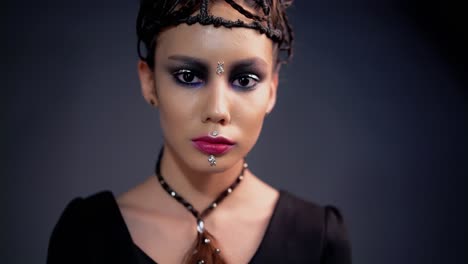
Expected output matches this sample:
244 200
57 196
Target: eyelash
250 77
193 75
179 74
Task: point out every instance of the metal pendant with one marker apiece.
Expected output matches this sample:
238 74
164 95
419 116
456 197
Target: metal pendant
200 226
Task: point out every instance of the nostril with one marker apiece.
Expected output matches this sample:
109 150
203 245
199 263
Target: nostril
221 121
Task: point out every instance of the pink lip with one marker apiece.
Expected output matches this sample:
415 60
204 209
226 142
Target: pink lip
213 145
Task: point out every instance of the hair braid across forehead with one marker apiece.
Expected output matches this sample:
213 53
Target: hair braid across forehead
244 12
155 15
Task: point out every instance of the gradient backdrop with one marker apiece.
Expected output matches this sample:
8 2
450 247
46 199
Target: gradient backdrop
372 117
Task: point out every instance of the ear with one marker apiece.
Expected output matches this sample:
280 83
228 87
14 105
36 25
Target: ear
273 91
147 83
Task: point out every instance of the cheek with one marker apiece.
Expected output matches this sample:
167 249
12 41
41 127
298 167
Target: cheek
252 115
176 107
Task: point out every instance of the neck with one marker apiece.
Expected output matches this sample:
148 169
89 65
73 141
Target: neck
198 188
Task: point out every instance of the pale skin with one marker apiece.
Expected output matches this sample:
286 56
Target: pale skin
158 224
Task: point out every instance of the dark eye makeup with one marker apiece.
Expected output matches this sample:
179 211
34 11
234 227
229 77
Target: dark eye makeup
243 75
188 77
246 81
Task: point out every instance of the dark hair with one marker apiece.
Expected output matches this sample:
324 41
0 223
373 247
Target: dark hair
156 15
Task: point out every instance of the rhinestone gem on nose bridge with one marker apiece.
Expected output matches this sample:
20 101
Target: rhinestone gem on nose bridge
220 68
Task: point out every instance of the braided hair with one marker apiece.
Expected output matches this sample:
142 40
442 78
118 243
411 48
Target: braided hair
270 19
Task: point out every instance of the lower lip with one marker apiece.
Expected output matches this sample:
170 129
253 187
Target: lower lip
210 148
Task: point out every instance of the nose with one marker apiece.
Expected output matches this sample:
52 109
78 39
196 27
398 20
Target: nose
216 105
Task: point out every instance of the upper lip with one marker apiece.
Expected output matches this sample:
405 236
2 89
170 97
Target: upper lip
215 140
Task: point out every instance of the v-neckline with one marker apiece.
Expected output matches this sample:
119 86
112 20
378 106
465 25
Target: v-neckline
261 247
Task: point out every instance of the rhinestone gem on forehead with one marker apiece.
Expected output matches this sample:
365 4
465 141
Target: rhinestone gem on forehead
220 68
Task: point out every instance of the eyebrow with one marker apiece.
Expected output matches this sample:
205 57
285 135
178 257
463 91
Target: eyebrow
198 63
250 62
204 65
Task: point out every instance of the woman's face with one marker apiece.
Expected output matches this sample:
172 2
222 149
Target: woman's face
194 100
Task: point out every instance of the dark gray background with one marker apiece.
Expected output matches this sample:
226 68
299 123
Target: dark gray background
372 117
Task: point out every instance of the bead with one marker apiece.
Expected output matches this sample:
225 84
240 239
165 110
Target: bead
200 226
229 190
246 165
173 193
217 251
206 241
201 261
214 205
241 177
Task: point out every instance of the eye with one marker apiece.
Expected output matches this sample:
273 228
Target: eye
187 77
246 81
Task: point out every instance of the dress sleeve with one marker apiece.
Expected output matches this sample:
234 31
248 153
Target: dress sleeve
67 238
336 248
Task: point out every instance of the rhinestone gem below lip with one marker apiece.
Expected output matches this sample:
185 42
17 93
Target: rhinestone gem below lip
212 160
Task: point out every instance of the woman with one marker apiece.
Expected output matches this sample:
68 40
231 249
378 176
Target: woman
211 69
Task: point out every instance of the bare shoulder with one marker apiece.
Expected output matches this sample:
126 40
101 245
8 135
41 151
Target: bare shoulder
264 188
261 196
138 200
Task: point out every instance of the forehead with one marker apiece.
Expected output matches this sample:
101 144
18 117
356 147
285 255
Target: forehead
215 43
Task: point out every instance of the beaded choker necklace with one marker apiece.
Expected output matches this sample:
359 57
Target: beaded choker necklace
204 238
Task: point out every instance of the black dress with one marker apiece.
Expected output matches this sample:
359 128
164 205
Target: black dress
92 230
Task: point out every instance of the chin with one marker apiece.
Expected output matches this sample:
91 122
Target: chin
223 163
